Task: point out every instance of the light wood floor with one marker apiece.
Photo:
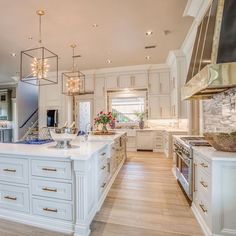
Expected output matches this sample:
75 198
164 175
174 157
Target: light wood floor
145 200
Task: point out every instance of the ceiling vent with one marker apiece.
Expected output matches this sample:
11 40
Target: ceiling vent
150 47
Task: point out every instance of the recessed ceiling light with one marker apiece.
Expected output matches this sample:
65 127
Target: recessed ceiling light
95 25
166 32
147 57
149 33
109 61
13 54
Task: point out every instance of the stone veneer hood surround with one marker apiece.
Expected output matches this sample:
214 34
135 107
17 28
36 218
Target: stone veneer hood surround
219 113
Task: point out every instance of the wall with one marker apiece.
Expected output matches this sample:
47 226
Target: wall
219 113
26 104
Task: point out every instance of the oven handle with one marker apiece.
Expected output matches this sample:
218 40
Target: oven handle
182 158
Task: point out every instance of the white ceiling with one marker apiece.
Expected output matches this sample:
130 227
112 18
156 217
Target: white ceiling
120 35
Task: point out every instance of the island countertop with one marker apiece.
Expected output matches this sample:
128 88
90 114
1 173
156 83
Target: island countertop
80 150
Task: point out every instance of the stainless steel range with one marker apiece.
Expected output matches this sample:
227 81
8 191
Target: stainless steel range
184 161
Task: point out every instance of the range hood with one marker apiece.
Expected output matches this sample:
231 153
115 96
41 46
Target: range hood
213 63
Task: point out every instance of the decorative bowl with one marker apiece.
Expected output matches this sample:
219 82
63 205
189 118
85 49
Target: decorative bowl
63 136
103 133
225 142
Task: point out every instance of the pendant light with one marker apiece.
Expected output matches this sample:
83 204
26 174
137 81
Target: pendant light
73 81
39 66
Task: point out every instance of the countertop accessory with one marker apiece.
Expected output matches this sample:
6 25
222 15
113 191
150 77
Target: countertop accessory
102 133
63 136
225 142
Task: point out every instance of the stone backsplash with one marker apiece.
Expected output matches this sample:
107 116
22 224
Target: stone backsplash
219 113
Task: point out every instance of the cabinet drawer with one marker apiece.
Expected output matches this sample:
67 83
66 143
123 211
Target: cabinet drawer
53 209
14 198
204 184
14 170
204 165
52 189
51 169
203 207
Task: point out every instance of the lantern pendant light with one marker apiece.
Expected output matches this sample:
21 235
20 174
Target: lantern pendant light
39 66
73 81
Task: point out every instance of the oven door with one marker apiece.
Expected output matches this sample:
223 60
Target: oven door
184 172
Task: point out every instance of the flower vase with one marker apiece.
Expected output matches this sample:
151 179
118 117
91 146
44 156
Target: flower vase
141 124
104 128
113 125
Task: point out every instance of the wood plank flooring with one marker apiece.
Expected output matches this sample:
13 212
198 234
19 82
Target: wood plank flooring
145 200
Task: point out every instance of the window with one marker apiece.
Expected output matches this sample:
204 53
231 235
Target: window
126 105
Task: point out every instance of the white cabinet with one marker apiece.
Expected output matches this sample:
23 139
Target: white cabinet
111 82
159 83
89 84
159 107
214 193
124 81
144 140
133 80
140 80
99 87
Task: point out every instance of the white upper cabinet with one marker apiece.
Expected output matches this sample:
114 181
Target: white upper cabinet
99 87
139 80
159 83
111 82
159 107
124 81
164 83
89 83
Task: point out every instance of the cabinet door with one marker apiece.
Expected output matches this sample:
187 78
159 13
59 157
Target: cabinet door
89 84
164 83
154 107
99 87
111 82
124 81
143 140
164 103
139 80
99 105
154 83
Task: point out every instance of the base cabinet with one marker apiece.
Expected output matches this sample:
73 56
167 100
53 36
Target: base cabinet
214 203
59 194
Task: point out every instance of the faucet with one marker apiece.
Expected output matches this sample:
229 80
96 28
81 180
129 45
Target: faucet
88 128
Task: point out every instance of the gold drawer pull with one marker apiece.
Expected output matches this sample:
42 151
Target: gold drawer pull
49 189
103 185
49 209
203 184
203 208
49 169
204 165
11 198
103 167
9 170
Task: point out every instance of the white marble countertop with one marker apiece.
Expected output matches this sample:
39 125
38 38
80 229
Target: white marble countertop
210 152
161 128
80 150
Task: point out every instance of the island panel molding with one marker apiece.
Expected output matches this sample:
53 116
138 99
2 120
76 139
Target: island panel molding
61 190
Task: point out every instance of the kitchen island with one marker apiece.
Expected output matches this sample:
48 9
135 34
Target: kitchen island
59 189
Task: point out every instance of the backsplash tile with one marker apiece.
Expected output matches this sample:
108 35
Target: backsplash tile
219 113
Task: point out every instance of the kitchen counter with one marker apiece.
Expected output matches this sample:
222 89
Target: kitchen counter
57 189
212 154
80 150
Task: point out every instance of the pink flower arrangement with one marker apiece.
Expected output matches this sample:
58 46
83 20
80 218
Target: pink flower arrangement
104 118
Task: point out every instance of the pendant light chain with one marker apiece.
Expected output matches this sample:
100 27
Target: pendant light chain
40 29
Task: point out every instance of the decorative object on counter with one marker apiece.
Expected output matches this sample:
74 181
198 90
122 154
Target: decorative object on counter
39 66
103 119
63 136
141 116
113 122
225 142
